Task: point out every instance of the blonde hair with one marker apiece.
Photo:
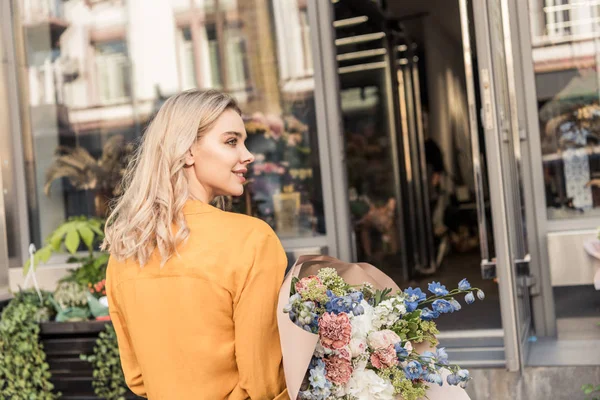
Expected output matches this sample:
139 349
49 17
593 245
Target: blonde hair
149 214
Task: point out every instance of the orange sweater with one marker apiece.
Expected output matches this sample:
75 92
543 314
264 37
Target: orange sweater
204 325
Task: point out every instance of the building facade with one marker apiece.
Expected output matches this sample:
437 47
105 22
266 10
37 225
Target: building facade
435 139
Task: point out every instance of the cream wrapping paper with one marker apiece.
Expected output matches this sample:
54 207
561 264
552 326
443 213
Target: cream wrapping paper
297 345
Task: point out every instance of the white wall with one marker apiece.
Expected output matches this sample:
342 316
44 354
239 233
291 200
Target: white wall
151 41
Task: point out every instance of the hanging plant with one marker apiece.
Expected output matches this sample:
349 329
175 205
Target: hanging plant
68 236
109 382
24 372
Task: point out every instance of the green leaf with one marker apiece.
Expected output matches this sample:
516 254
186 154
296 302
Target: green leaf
72 241
87 235
293 288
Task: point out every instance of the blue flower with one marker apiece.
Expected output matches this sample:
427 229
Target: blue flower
463 375
401 352
338 305
413 370
356 297
464 285
469 298
317 363
442 356
317 378
358 310
442 306
434 378
452 380
413 298
428 315
455 304
428 357
480 295
437 289
414 295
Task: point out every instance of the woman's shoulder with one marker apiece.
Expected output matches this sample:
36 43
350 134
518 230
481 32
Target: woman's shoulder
236 223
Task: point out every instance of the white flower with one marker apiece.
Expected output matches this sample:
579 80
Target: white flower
388 312
365 384
408 346
319 350
362 324
357 346
382 339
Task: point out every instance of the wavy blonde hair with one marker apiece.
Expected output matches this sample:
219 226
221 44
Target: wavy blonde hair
149 214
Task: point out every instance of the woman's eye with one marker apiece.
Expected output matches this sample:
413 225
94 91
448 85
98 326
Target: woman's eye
232 142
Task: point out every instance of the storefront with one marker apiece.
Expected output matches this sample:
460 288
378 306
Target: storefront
435 139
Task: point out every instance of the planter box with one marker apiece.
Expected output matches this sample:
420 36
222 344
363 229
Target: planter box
63 343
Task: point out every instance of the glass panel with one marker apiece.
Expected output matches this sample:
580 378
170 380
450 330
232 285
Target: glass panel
367 112
509 143
568 100
566 57
416 112
98 70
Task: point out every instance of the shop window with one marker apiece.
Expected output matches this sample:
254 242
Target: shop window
112 66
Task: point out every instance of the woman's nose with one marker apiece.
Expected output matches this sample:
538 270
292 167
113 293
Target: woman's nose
248 157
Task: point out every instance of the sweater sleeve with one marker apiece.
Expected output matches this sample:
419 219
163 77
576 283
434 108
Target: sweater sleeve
257 347
129 363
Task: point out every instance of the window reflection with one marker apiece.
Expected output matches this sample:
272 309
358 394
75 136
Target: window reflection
564 37
99 69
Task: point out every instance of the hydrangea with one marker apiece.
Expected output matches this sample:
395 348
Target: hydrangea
332 281
366 384
362 324
314 290
388 312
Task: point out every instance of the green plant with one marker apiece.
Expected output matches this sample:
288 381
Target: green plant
24 372
92 270
70 294
69 235
109 382
86 173
71 302
592 392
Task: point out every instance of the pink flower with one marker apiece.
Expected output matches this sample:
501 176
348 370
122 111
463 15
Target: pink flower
345 353
357 347
335 330
303 284
384 358
383 339
338 370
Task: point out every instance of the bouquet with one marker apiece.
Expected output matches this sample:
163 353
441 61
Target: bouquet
348 332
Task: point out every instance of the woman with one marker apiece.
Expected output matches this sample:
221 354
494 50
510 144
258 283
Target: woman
192 289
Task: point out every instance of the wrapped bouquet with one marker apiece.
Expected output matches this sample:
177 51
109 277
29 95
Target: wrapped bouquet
348 332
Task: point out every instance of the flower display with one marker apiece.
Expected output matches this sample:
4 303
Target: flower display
367 337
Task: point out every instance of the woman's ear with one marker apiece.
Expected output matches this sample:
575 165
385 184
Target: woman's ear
189 159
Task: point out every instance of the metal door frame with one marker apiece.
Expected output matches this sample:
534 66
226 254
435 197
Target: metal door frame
502 191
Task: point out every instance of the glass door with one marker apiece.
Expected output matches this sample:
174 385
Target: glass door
502 141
